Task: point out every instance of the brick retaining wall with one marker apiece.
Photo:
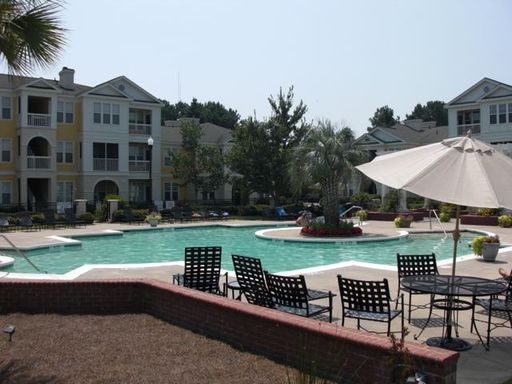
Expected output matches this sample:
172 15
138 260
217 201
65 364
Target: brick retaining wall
341 353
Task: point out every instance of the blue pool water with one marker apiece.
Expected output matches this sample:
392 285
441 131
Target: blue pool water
167 245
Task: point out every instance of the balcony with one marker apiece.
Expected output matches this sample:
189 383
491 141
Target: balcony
38 120
38 162
140 129
139 165
105 164
462 129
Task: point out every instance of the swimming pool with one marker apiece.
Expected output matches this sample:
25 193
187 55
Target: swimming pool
165 245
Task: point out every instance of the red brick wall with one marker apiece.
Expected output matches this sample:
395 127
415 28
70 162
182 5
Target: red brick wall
341 353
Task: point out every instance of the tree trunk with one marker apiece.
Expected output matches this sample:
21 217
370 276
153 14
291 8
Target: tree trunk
330 201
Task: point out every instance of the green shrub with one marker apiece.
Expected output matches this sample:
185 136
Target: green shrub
38 218
505 221
486 212
446 208
476 243
361 214
402 221
118 216
444 217
87 217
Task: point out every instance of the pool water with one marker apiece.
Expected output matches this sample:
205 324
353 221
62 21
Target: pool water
166 245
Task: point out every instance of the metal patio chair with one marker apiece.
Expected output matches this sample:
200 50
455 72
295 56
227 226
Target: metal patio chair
368 300
202 270
251 279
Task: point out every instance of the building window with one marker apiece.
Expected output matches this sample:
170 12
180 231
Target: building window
65 152
5 147
65 112
502 113
105 157
208 195
6 107
97 113
171 192
5 188
106 113
510 112
168 156
468 121
64 191
493 114
115 114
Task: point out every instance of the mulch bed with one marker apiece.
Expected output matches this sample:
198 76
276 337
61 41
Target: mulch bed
123 349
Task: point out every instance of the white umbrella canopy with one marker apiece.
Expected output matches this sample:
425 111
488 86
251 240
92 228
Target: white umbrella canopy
460 170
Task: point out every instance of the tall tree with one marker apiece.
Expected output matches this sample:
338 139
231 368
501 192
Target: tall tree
199 165
383 117
30 34
432 111
326 157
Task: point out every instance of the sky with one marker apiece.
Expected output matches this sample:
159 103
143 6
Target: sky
344 59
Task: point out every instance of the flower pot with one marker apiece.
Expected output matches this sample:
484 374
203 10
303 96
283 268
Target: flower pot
490 251
153 222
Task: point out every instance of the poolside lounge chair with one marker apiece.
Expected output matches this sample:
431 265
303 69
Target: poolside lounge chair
283 215
25 221
368 300
290 295
250 277
498 306
202 270
414 265
71 220
177 214
5 225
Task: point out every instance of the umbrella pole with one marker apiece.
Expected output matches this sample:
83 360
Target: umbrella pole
456 237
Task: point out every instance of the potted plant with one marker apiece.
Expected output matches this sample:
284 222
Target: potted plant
403 221
153 219
486 246
362 215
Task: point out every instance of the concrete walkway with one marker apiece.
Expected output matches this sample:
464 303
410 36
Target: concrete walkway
475 365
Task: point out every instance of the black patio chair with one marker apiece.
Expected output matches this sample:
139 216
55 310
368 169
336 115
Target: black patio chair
71 220
497 306
290 295
51 221
5 225
25 222
414 265
202 270
368 300
250 277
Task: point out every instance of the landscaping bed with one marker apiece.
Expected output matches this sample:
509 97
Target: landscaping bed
123 349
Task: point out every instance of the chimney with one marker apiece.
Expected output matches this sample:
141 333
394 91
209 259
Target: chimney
67 78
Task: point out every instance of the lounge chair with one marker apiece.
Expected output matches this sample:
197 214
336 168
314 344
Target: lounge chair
250 277
368 300
283 215
71 220
290 295
129 217
414 265
177 214
25 221
202 270
50 220
5 225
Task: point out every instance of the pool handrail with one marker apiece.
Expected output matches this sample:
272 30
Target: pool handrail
430 211
351 208
19 251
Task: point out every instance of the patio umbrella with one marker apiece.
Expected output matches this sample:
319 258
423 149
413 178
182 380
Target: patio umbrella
460 171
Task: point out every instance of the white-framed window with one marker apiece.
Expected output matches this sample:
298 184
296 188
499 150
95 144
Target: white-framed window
106 113
64 191
6 108
510 112
168 151
65 152
5 147
97 113
502 113
171 191
493 114
5 189
137 152
65 112
208 195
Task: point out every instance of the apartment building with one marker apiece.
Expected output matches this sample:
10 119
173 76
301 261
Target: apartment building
63 141
485 109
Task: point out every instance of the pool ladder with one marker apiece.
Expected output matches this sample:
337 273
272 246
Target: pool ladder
432 211
20 253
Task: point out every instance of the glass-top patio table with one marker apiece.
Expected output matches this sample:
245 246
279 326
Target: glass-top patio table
453 288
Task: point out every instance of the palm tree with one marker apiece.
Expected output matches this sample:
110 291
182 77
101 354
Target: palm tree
326 157
30 34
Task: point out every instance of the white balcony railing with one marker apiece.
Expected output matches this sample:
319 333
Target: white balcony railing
106 164
462 129
140 129
38 162
139 165
38 120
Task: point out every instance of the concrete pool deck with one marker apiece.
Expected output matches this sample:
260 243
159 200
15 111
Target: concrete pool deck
474 366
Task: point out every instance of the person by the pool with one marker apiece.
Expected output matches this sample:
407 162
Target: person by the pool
506 275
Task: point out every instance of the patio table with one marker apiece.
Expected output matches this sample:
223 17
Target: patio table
452 287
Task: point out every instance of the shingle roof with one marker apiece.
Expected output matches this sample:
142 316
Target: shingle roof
14 82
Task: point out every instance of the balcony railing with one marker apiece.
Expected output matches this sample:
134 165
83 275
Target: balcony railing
139 165
38 120
140 129
38 162
106 164
462 129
